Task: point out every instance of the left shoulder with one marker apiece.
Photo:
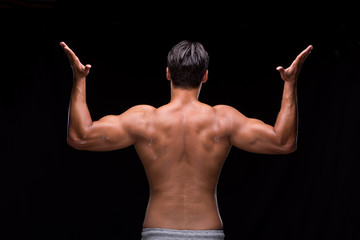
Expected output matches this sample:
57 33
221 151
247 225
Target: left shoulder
139 111
138 116
143 108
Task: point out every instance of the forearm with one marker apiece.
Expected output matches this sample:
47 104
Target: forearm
79 115
287 121
283 136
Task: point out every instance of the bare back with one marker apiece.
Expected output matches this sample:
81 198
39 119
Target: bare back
182 149
183 144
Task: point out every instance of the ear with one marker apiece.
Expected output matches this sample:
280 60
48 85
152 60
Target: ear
168 74
205 77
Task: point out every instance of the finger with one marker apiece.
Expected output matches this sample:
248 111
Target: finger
306 52
303 55
64 46
70 54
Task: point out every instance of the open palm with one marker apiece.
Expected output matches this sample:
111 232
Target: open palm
79 69
291 73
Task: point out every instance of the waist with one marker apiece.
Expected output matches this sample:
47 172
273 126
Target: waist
179 214
174 234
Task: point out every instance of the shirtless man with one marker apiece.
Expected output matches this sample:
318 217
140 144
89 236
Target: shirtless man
184 143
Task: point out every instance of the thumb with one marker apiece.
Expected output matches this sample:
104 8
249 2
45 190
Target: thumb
280 69
87 68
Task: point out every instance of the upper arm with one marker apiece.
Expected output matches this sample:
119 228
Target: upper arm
113 131
251 134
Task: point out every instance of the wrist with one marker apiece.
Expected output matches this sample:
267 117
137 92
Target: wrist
77 78
291 83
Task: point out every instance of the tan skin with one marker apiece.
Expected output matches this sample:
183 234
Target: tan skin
183 144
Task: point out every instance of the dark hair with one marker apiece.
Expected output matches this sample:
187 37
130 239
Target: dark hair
187 63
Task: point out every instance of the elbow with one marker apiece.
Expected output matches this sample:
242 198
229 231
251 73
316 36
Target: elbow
289 147
77 143
77 139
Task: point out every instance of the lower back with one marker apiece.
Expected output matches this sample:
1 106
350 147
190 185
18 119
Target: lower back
174 212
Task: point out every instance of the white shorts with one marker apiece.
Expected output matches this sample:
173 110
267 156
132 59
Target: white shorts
172 234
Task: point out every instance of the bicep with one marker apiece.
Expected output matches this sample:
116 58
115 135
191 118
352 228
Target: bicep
115 132
253 135
108 133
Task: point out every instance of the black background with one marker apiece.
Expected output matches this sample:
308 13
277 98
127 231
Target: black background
51 191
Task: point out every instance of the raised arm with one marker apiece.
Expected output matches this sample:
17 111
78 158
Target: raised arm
254 135
110 132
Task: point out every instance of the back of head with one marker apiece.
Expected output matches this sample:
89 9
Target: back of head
187 63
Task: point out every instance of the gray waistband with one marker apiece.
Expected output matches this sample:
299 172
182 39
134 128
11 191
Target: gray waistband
173 234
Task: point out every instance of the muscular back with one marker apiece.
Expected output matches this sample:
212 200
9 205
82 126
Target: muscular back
183 148
183 144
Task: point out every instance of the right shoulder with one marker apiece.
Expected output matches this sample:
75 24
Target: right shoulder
226 111
229 117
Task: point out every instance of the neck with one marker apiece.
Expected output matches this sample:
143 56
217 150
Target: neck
184 95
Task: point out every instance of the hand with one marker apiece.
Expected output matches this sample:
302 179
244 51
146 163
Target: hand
79 70
291 73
